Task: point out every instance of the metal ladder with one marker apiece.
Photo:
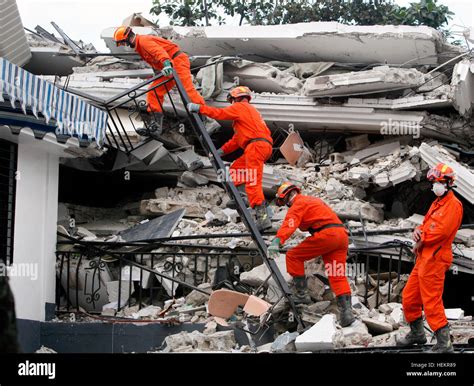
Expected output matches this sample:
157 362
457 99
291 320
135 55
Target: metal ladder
118 138
232 191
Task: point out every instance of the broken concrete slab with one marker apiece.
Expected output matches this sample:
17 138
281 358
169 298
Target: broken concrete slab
335 42
265 348
319 307
454 313
285 342
359 175
308 116
379 79
188 159
262 77
85 233
193 179
158 207
150 152
357 142
310 317
324 335
377 326
462 84
354 210
136 19
415 219
385 309
105 227
433 155
404 172
196 298
211 328
392 321
387 340
358 307
197 341
334 189
154 229
462 331
211 77
50 59
425 102
259 274
465 236
376 151
132 273
45 350
150 312
356 335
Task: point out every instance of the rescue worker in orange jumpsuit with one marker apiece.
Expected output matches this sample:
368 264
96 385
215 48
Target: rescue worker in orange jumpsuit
328 239
162 55
253 136
433 249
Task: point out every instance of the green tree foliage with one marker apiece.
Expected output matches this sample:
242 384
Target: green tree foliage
356 12
426 12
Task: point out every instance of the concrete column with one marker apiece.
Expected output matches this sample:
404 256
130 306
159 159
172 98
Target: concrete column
35 231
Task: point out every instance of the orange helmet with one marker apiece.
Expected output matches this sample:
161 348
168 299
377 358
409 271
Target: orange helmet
441 173
121 35
283 192
239 91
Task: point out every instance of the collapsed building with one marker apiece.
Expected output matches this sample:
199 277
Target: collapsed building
358 115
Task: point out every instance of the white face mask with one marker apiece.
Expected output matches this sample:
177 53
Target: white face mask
439 189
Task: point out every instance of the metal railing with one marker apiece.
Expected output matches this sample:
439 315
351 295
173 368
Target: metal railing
133 101
86 268
397 253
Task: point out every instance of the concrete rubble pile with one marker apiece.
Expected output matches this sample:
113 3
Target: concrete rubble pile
381 127
55 55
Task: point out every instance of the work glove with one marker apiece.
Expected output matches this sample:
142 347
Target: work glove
220 152
193 107
167 69
274 249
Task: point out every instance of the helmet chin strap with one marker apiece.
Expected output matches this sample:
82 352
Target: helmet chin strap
131 40
291 198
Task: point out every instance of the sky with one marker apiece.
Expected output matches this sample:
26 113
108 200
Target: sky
85 19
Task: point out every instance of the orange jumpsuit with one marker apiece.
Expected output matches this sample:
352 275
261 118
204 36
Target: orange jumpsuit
248 125
426 282
155 51
330 243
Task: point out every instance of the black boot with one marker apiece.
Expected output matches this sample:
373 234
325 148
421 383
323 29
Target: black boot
344 305
300 295
153 123
443 341
232 204
262 216
415 336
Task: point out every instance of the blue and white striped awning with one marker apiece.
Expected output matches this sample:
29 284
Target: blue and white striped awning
72 115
